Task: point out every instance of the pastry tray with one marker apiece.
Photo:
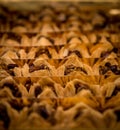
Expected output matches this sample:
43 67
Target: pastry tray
59 65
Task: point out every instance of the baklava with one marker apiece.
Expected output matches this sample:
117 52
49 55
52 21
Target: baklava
59 67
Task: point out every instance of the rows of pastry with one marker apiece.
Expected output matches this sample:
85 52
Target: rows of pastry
47 102
59 65
89 39
63 18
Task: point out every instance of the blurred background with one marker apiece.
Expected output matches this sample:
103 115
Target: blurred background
64 0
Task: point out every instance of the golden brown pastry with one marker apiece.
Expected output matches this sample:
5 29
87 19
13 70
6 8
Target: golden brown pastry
59 64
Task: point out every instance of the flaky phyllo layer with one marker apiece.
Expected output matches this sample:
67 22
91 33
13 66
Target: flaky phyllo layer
60 67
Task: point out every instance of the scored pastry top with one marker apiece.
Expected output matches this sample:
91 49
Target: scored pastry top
60 64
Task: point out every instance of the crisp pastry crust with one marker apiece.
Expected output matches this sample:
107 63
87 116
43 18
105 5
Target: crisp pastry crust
46 111
56 47
42 52
60 67
44 87
60 38
32 68
59 64
26 92
61 19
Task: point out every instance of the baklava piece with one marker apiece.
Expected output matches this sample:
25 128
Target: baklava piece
14 39
32 68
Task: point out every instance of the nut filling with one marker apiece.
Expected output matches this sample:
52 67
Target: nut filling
33 68
71 68
59 65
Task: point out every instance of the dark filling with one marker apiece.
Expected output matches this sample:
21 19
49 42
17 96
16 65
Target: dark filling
14 36
81 69
75 52
98 39
28 84
71 68
108 38
52 88
43 66
14 89
33 68
41 110
103 24
113 68
80 86
57 48
3 18
11 72
114 19
4 116
105 54
15 24
106 76
22 16
117 72
116 90
30 35
1 35
115 50
107 64
8 68
107 67
77 115
52 119
12 66
43 51
33 24
100 25
17 104
117 113
38 90
103 70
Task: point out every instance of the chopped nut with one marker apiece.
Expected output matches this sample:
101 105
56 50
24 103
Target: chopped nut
38 90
